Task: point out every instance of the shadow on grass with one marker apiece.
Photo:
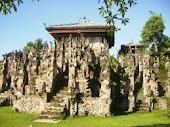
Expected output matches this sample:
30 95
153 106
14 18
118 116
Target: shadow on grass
154 125
119 113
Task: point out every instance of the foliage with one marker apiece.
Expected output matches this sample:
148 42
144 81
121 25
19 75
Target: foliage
7 5
37 45
78 94
152 34
162 60
113 63
106 11
162 76
28 47
154 119
162 48
153 30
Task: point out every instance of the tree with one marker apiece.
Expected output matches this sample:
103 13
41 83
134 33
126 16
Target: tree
152 32
28 47
37 45
105 11
113 63
7 5
162 48
153 37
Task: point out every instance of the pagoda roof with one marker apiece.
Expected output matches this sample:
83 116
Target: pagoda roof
75 26
82 27
167 52
155 54
132 45
78 28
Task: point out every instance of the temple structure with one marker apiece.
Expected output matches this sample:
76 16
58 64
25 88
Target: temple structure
140 84
72 76
167 66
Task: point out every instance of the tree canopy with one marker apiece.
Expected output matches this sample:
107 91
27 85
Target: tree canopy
152 32
37 45
154 39
28 47
6 6
106 11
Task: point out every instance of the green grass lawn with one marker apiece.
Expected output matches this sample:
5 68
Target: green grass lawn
154 119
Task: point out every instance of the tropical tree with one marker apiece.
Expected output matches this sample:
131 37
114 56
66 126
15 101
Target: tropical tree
154 38
106 11
37 45
7 5
113 63
28 47
162 48
152 33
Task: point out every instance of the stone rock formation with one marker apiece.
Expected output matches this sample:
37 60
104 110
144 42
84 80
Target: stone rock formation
141 87
73 75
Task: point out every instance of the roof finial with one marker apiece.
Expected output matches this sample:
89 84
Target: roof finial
45 24
84 20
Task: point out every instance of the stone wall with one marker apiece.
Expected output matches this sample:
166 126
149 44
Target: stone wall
161 104
29 104
141 84
94 106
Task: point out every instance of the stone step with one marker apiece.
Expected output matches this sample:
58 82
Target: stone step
52 112
57 104
53 108
46 121
48 104
143 111
4 96
63 92
65 88
143 108
59 99
60 95
46 116
7 92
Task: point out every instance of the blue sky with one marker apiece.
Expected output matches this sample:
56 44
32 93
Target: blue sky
26 24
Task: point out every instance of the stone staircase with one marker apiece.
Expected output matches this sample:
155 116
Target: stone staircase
5 98
143 107
55 108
